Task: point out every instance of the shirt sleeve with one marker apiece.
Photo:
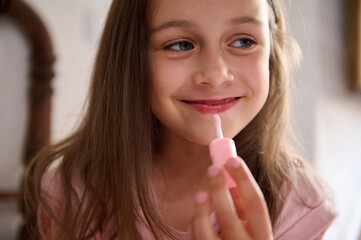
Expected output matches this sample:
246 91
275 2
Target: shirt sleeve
50 186
307 213
311 226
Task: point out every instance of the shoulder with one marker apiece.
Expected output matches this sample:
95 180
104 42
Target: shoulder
53 199
50 187
307 210
57 198
50 192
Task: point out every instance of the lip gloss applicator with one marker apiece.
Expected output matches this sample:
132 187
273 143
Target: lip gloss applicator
222 149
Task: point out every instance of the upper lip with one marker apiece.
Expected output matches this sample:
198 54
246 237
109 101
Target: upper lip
211 101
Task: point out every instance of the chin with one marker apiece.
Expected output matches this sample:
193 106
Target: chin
201 139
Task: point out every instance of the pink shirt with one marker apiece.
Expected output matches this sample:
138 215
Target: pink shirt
296 222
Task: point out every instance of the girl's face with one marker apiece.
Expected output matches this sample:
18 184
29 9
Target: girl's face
208 57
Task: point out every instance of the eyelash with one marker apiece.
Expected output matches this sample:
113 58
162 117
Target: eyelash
250 41
169 47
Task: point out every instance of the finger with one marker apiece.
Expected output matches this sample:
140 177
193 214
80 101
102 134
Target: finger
190 232
255 208
227 218
240 207
201 226
238 202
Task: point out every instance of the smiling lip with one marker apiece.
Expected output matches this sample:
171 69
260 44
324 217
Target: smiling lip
212 106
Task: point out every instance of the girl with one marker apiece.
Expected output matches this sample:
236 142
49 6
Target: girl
139 165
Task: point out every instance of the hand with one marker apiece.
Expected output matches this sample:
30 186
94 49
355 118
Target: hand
243 218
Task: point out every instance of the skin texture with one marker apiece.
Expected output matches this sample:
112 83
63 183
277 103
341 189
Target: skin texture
215 68
207 50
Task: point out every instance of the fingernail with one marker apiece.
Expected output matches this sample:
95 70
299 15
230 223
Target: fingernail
201 197
213 171
234 163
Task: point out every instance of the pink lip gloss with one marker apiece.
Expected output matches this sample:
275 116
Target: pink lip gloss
212 106
222 149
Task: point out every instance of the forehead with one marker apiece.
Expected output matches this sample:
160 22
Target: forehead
206 10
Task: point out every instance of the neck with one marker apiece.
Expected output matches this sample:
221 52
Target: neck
180 169
180 165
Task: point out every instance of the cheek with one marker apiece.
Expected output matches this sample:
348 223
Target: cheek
254 75
166 78
256 71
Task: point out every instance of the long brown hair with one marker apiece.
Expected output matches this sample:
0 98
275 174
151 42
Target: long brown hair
263 142
111 152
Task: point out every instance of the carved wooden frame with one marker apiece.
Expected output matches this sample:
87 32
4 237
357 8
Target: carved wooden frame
354 44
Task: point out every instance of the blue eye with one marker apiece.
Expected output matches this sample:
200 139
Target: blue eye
180 46
243 43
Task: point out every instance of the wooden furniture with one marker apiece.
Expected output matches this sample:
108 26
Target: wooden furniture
39 94
354 44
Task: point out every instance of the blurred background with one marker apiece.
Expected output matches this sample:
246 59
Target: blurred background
326 113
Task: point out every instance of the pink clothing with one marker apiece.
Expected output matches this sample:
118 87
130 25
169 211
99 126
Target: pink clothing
299 222
307 220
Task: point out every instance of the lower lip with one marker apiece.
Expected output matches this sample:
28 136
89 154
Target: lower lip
212 108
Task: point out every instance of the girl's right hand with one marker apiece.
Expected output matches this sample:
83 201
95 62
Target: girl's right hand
244 217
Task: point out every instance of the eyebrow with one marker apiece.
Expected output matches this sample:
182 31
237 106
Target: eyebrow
171 24
187 24
245 20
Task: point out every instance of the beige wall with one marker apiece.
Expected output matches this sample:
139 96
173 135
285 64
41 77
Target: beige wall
12 118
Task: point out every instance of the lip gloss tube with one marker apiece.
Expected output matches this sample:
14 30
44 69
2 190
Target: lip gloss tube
221 150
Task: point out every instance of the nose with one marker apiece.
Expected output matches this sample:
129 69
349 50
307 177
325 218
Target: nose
212 70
